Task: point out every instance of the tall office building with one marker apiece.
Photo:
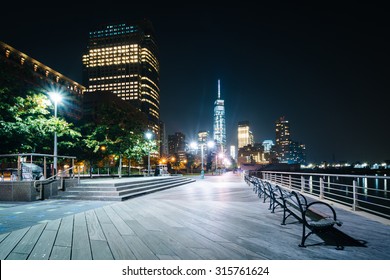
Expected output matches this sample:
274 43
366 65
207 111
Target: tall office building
177 146
123 58
283 139
245 136
219 121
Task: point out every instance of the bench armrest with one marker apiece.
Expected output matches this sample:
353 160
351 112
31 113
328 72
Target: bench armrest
323 218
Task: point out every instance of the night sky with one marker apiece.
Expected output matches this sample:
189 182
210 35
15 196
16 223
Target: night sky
325 67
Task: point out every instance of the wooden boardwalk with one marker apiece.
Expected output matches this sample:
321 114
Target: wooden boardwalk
218 218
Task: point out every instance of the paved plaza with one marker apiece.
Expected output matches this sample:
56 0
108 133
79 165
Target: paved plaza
216 218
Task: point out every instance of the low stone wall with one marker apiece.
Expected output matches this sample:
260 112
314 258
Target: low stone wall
18 191
25 191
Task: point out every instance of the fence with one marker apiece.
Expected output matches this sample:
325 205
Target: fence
368 193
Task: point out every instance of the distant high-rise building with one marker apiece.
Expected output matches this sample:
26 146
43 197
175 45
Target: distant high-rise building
251 154
176 143
245 136
283 140
297 153
177 146
123 58
219 121
268 144
163 140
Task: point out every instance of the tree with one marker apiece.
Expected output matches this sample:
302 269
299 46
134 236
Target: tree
114 125
26 124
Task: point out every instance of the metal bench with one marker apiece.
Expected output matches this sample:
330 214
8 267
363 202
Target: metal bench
318 217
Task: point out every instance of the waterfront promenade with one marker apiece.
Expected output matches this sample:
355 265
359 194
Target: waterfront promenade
216 218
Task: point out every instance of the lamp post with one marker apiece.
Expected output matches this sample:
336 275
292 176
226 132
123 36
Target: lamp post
56 97
210 144
148 136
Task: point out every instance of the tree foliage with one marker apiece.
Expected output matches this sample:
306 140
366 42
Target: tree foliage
26 124
114 130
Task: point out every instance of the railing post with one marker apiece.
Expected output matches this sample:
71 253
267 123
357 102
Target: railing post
63 181
44 168
321 188
311 184
42 192
78 172
355 204
289 181
302 184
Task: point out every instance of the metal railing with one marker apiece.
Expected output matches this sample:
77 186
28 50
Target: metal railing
368 193
61 175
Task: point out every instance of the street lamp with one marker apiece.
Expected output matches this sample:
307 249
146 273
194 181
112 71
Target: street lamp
56 97
210 144
148 136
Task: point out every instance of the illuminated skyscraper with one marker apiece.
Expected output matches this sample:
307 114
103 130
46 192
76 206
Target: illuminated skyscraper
219 121
245 136
123 59
282 137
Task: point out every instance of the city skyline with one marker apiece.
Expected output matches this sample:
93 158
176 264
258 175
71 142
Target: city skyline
323 68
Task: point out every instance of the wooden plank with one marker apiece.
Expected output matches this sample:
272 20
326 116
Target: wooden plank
166 217
81 249
181 235
26 245
11 240
53 225
167 257
243 251
17 256
3 236
139 248
65 232
206 254
95 231
44 245
177 248
122 211
118 222
101 250
150 240
102 216
60 253
118 246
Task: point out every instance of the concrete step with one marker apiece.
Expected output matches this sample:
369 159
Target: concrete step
90 186
124 192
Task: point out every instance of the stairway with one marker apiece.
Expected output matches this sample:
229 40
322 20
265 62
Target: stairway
121 189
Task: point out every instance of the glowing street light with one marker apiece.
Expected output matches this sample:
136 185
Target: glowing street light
210 144
148 136
56 97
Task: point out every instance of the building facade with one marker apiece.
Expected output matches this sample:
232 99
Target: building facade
282 138
245 136
123 58
219 122
177 145
44 79
287 150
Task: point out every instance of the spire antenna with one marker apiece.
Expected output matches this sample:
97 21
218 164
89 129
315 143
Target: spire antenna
219 89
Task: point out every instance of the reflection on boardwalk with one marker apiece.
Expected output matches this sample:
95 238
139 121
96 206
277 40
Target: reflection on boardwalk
216 218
